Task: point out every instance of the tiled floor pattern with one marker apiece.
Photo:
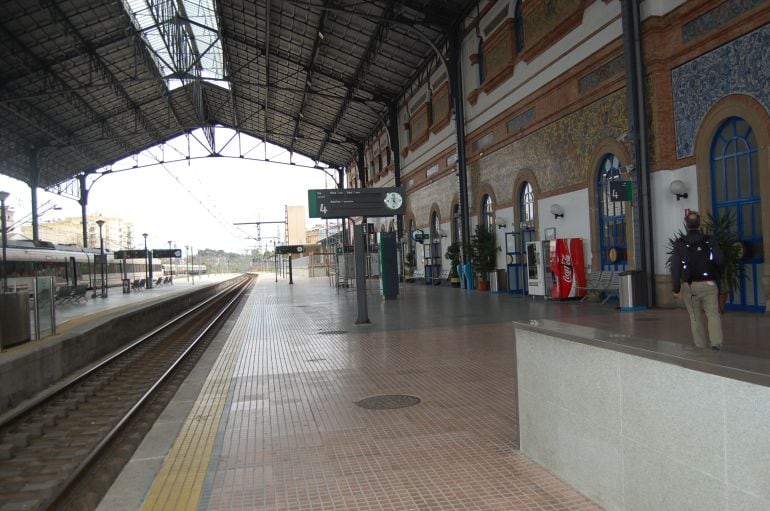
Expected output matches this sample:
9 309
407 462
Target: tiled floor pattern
291 436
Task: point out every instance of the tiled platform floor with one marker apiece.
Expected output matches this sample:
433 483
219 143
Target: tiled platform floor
278 413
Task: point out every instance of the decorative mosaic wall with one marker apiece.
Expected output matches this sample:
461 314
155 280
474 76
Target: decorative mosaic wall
545 18
559 154
741 66
716 17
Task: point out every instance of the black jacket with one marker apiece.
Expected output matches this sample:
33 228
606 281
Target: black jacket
680 254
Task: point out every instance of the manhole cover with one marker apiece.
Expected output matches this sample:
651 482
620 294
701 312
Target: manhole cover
333 332
388 402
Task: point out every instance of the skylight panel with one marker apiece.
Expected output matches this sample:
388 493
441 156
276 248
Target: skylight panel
183 37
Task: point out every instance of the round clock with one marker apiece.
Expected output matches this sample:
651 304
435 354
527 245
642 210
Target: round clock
393 200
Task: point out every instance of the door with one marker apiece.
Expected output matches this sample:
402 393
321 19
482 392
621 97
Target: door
735 191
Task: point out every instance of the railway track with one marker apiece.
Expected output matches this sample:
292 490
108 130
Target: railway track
63 450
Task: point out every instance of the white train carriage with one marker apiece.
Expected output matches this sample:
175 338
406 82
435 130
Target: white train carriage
68 265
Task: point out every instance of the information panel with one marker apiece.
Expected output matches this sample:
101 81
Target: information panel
166 253
130 254
621 191
371 202
289 249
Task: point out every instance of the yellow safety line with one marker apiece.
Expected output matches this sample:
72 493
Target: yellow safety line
179 483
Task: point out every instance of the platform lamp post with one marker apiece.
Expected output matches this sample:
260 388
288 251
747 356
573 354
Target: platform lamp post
187 262
170 267
146 263
100 223
192 264
3 197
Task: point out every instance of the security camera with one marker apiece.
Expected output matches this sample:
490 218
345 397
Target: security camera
630 167
622 138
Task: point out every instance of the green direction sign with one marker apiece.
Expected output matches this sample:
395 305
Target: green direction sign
370 202
289 249
166 253
130 254
621 191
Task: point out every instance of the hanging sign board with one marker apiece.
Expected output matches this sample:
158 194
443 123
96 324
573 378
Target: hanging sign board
369 202
130 254
621 191
166 253
289 249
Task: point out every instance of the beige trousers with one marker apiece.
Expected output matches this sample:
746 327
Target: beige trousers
702 302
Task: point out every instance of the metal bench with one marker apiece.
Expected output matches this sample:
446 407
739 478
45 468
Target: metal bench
604 281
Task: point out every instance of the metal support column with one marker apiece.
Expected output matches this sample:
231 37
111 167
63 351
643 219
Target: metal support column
360 259
33 186
395 147
456 90
634 64
83 207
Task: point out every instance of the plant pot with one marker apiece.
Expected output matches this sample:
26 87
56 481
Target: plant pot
483 285
455 281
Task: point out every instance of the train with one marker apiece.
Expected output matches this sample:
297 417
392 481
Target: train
72 265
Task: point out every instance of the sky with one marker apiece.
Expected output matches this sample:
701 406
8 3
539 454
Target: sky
194 202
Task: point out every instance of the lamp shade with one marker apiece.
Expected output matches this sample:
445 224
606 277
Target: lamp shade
677 187
557 210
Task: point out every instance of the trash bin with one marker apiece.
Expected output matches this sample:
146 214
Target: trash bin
502 281
126 286
633 292
15 325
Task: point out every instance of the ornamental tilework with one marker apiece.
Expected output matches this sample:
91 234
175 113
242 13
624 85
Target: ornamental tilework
741 66
559 153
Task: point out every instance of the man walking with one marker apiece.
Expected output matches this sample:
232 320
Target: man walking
695 265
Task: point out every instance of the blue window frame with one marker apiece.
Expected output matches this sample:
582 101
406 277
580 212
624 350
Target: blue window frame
735 191
612 217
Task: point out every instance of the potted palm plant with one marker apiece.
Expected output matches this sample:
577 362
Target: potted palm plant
722 229
453 254
483 255
409 265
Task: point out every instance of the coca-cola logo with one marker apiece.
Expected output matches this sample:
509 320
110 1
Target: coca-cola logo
566 261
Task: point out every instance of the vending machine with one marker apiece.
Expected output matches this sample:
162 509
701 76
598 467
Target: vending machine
567 268
538 275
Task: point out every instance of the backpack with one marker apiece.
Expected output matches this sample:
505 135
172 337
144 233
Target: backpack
702 260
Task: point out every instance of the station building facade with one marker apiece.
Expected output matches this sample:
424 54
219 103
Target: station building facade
548 120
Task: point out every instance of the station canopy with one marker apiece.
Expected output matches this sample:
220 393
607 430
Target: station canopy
86 83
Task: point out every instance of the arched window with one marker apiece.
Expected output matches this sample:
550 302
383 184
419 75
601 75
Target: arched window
487 213
735 195
456 224
527 207
481 60
612 217
519 26
435 227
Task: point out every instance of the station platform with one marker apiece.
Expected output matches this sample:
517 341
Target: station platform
273 417
74 315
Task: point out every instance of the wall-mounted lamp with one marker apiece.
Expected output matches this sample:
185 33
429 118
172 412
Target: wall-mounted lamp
500 223
442 233
557 211
678 188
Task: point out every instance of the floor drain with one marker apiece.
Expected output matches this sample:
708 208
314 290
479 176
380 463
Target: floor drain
388 402
333 332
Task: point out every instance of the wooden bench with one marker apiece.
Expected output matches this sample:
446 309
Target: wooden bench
604 281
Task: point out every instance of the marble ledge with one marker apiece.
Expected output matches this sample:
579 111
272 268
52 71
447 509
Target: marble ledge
729 365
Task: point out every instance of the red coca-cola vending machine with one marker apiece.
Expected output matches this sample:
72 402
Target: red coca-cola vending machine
567 268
